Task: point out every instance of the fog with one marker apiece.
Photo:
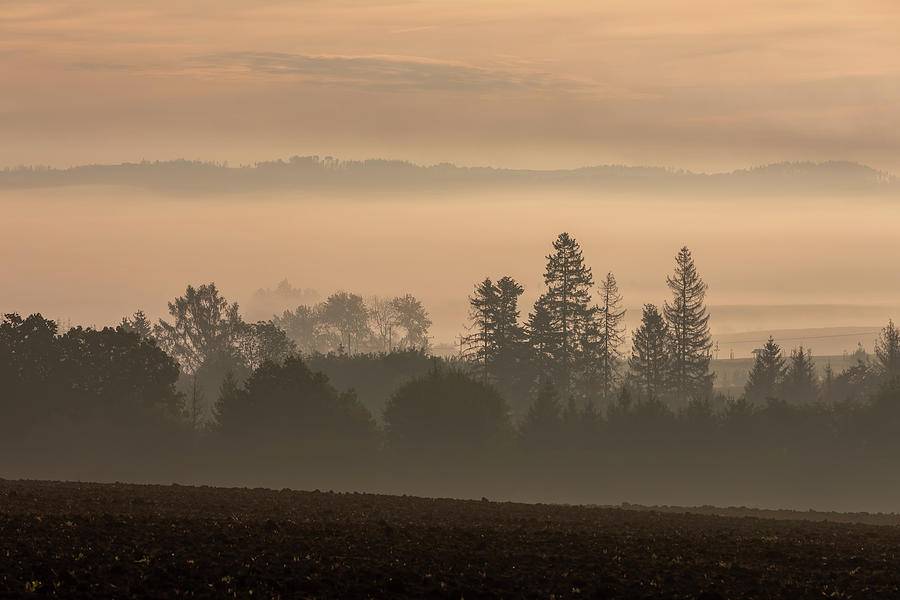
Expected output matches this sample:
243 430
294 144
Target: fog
93 254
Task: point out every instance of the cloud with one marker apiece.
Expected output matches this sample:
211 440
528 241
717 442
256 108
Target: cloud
379 72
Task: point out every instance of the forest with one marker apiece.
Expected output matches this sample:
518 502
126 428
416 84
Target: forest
546 405
330 173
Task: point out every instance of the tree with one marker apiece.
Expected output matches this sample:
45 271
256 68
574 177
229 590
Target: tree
264 341
348 315
483 307
611 330
650 363
86 383
766 375
496 338
203 338
542 340
412 317
117 375
306 327
29 352
285 414
887 351
383 317
506 327
139 324
567 300
447 419
801 385
204 325
510 369
689 330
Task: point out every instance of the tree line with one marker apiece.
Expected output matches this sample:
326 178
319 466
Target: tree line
575 333
203 395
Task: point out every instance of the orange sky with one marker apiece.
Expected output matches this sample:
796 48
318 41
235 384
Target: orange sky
695 84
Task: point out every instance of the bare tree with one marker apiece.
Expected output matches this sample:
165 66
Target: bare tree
383 317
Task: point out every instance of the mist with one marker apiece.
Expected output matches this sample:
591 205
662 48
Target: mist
93 254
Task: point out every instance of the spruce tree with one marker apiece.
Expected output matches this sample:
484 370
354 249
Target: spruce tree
542 340
767 373
507 368
649 362
139 324
689 329
507 330
611 329
887 351
801 385
483 308
497 337
569 282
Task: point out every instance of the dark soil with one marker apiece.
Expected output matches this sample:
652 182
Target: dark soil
96 540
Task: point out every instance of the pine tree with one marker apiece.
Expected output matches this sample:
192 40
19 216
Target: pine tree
568 298
649 362
689 329
801 385
611 329
767 373
887 351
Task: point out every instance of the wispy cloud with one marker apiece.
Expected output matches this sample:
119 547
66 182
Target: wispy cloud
382 72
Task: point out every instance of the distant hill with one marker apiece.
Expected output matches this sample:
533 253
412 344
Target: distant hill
315 173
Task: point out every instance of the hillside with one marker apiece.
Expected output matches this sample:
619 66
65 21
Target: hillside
315 173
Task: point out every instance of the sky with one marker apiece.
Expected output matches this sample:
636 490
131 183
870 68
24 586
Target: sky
702 85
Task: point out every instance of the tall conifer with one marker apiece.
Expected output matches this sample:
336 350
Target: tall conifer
767 373
689 329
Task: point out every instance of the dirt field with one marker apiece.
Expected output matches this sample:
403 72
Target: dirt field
94 540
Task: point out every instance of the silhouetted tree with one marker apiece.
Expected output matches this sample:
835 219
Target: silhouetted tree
800 384
117 375
767 373
496 341
853 384
306 327
689 330
413 319
567 299
348 315
29 354
611 334
372 376
448 417
264 341
289 414
383 316
139 324
203 338
510 367
542 340
887 351
481 343
650 361
203 325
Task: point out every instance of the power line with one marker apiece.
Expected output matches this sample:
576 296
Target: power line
806 337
